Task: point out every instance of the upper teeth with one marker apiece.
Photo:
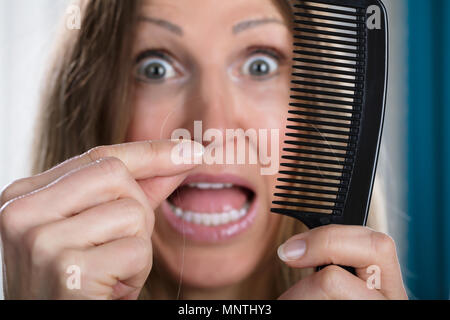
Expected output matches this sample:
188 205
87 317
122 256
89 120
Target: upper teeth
209 219
205 185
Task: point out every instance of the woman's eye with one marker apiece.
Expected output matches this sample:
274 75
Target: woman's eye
260 66
155 69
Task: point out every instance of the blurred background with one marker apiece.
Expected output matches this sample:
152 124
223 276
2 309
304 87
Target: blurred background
415 158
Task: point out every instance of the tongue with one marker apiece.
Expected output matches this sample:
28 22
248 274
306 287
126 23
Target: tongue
210 200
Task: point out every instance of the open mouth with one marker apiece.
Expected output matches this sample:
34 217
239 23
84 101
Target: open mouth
211 207
211 204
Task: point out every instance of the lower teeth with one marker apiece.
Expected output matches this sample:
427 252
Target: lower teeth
211 219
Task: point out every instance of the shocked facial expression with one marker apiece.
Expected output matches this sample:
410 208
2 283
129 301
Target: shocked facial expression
226 65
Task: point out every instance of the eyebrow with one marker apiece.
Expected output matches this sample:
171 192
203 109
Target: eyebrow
248 24
240 27
164 24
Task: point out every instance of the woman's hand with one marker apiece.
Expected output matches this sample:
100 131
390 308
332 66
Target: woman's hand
359 247
89 213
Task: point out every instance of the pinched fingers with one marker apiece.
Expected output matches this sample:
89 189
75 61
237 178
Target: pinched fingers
143 159
103 180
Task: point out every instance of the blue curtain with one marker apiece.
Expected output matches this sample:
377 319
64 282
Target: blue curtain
427 272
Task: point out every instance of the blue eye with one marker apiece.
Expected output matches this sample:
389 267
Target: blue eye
260 66
154 69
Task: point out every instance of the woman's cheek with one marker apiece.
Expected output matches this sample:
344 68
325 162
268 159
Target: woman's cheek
266 103
266 108
156 114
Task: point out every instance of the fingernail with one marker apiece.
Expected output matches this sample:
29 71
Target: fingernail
292 250
199 149
190 151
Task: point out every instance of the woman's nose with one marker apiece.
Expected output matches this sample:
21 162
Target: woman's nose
211 102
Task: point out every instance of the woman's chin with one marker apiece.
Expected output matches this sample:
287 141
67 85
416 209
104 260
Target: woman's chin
211 266
210 274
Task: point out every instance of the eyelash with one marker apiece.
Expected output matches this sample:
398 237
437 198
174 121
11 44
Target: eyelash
153 53
273 53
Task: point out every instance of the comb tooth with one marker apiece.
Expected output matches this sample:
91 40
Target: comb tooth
330 101
319 145
327 63
326 25
338 72
327 93
328 78
337 34
328 40
314 183
317 160
330 55
352 21
303 197
294 213
318 168
311 190
324 115
329 131
303 205
323 85
324 123
317 153
355 110
334 49
311 175
348 95
313 137
329 10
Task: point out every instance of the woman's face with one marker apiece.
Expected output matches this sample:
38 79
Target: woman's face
225 64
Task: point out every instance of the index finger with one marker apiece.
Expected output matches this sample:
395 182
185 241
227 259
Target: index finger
143 159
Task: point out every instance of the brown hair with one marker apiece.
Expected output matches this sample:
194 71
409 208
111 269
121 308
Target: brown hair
85 104
84 101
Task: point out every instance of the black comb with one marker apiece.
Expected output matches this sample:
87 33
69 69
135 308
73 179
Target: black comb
338 99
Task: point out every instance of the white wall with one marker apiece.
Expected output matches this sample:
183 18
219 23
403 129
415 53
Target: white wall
27 28
393 158
26 33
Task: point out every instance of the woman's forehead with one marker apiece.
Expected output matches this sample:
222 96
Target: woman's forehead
223 12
